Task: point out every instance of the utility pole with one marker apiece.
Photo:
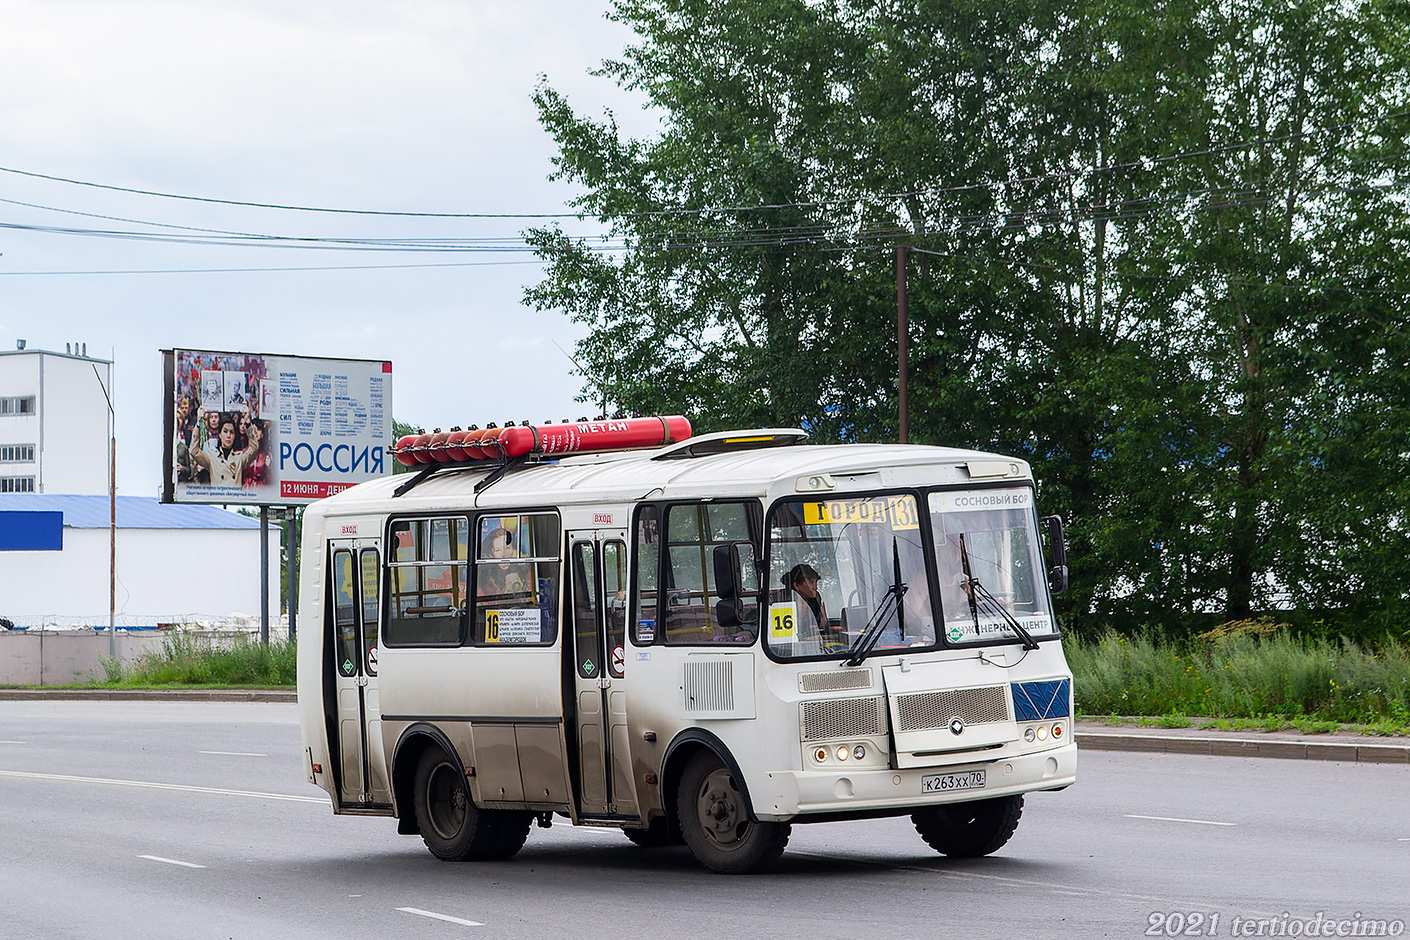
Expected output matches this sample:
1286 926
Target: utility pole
903 422
112 512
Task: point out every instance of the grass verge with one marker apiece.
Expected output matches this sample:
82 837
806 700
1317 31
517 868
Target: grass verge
1253 675
186 661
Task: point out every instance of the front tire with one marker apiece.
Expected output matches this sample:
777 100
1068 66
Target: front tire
451 825
969 830
714 820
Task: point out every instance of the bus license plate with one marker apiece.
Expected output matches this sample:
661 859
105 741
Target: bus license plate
947 783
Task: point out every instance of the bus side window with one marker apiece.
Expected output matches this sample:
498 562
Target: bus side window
343 613
648 567
692 532
427 582
516 579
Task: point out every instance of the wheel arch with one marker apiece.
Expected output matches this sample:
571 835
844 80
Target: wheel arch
411 744
680 751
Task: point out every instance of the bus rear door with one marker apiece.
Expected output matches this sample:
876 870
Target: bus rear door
356 574
598 566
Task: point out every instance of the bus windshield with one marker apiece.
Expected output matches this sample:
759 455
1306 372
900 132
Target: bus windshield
833 564
989 563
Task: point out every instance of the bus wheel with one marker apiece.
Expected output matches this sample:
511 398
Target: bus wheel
513 828
969 830
715 823
452 828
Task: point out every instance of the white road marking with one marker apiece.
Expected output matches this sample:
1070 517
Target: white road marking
233 753
171 861
165 786
445 917
1402 840
1202 822
12 742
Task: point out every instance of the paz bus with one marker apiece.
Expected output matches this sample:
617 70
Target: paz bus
703 639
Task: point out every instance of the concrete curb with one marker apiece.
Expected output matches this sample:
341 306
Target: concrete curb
1356 750
145 695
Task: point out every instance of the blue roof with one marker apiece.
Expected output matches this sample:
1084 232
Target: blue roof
133 512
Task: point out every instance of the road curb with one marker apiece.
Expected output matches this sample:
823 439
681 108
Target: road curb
1219 746
148 695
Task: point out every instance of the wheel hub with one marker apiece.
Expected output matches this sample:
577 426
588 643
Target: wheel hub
722 809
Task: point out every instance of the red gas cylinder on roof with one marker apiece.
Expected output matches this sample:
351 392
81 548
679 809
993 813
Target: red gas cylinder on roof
454 450
437 446
402 450
421 449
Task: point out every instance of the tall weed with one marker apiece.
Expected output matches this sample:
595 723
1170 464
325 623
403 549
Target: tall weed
1244 671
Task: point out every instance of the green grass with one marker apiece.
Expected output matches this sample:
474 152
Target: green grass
1243 676
186 661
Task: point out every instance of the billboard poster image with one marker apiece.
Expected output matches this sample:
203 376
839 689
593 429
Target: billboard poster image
272 430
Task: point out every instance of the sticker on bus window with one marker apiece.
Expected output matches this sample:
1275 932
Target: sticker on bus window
512 626
783 622
645 631
897 512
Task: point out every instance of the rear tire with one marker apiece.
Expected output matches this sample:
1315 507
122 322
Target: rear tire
714 820
969 830
451 825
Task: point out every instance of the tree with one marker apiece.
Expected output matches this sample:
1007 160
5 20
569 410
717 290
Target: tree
1151 250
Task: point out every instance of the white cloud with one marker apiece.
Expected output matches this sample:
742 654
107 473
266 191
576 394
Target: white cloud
420 105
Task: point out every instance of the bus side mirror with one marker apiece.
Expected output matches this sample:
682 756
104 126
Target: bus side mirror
729 610
1057 548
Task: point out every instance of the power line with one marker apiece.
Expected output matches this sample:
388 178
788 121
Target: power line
330 267
1143 163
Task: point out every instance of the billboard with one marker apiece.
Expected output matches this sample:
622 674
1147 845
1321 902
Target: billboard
272 430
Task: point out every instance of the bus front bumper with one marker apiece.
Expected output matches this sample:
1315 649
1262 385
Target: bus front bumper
794 795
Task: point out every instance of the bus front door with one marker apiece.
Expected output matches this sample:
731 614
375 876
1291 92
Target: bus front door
598 564
356 571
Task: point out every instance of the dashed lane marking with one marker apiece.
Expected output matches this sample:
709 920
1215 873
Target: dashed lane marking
219 791
233 753
171 861
1199 822
445 917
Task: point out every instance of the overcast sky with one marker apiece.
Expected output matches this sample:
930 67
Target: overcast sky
416 106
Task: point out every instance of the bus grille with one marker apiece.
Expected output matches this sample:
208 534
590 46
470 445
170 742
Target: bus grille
926 710
709 686
834 680
843 718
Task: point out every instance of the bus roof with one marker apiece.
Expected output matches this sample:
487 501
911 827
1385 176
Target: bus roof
631 476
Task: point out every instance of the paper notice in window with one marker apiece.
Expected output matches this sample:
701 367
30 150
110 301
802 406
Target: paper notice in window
512 626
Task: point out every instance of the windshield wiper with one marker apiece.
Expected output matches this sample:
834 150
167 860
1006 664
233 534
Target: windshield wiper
891 600
979 597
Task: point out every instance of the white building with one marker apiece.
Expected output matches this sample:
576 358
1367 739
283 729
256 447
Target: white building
175 565
53 421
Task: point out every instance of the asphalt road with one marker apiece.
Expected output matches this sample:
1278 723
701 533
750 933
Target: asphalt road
171 820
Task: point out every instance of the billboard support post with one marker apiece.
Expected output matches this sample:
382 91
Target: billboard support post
291 564
264 575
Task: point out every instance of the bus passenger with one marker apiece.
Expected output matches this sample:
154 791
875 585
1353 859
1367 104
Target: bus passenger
501 580
813 624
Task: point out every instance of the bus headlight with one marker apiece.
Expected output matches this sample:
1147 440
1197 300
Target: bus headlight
1057 731
859 752
843 753
1030 735
820 755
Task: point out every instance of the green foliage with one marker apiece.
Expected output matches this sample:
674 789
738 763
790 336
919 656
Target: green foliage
188 660
1272 679
1158 250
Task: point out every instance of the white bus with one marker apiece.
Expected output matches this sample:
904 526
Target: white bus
705 641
